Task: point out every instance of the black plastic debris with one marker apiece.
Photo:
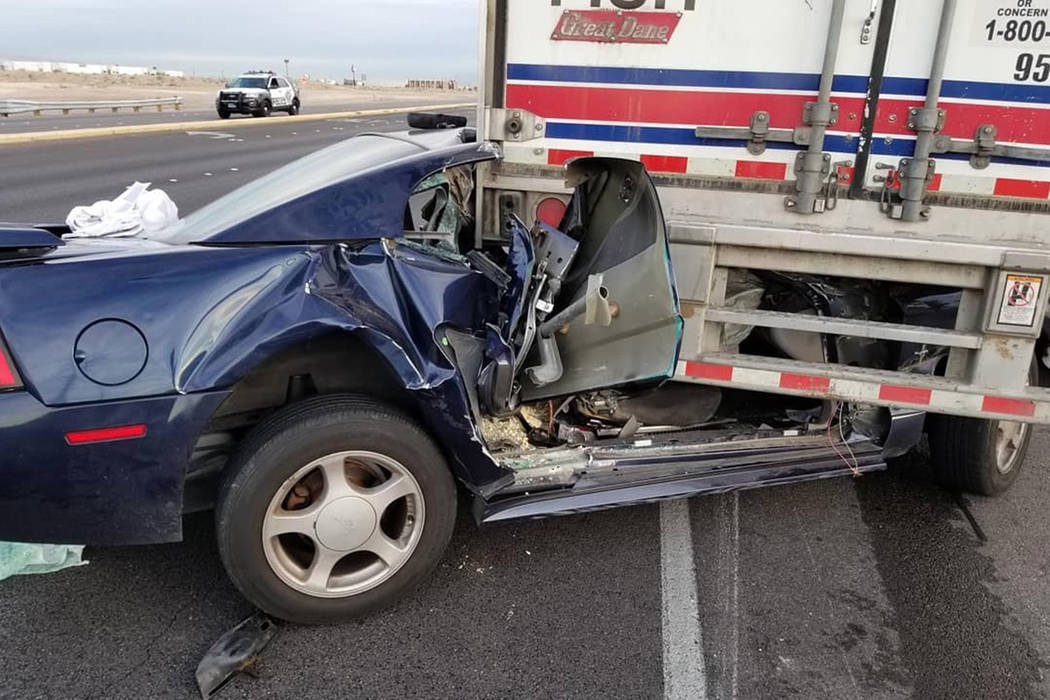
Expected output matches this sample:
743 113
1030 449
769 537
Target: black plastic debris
236 651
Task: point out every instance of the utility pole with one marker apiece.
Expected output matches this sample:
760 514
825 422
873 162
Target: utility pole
286 73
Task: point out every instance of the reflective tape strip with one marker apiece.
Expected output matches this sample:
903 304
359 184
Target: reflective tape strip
862 391
805 382
1014 407
1028 189
748 169
906 394
779 171
702 370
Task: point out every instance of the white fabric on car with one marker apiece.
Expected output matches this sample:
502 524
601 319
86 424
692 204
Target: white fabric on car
138 209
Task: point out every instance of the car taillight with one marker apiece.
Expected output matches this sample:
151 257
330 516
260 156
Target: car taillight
8 374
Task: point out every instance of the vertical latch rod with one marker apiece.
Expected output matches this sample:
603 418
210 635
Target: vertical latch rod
813 165
927 122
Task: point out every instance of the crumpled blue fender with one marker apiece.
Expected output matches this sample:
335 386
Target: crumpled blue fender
392 296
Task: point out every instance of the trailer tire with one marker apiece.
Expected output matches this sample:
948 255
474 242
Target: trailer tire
979 456
982 457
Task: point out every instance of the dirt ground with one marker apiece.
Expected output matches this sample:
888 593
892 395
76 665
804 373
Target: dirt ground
197 93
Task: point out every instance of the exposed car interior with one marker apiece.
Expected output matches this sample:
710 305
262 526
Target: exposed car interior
589 324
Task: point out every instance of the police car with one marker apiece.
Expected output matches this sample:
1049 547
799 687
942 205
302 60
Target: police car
257 93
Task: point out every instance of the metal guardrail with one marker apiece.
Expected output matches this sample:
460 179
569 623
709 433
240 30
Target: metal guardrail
9 107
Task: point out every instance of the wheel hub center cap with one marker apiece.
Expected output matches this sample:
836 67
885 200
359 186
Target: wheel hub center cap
345 524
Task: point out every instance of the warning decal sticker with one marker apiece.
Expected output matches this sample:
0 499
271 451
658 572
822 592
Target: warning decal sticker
1020 299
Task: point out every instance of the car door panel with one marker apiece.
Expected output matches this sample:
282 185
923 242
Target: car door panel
616 215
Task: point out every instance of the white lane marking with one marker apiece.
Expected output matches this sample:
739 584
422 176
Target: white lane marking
734 642
210 134
684 676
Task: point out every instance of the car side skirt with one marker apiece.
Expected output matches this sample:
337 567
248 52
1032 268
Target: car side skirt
632 479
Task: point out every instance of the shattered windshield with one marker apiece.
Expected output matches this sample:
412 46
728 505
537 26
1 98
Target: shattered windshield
326 167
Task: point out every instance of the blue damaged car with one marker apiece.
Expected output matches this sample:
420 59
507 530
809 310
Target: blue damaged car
330 354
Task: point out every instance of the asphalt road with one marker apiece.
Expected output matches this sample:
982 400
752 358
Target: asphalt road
877 587
82 119
42 182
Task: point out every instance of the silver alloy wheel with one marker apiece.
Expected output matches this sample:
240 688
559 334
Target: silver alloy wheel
343 524
1009 436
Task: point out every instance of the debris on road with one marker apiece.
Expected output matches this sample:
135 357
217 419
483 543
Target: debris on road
22 558
236 651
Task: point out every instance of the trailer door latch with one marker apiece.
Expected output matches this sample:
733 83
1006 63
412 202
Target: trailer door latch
896 180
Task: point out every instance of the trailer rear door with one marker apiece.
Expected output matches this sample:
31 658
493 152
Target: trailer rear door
638 82
995 92
722 92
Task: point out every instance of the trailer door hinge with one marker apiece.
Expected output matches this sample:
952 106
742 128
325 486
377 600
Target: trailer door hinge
759 133
984 143
515 125
985 146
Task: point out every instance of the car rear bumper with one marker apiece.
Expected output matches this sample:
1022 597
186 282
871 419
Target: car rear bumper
124 490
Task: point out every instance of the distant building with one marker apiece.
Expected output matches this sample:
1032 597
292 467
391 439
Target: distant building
432 84
85 68
31 66
129 70
79 68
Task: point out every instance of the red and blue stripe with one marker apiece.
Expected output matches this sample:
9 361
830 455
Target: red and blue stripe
656 106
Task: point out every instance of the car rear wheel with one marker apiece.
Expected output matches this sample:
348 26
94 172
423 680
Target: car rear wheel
333 510
294 109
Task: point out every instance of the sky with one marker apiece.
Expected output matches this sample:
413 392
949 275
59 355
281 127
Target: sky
389 40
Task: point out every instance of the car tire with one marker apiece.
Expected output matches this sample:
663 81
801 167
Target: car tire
294 109
367 444
223 114
265 110
978 456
